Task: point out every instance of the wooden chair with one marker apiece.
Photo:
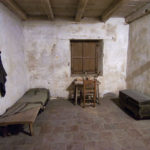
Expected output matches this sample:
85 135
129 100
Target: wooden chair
89 91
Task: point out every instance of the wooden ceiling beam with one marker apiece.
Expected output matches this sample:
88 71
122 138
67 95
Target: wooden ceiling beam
81 8
138 13
48 8
111 9
15 8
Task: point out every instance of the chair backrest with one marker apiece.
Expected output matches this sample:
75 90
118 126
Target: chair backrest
89 85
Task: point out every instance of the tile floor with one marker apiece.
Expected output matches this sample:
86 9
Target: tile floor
63 126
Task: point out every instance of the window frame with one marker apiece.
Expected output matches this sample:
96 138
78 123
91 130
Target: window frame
96 73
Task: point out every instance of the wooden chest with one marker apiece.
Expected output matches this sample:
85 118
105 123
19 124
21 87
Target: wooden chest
137 103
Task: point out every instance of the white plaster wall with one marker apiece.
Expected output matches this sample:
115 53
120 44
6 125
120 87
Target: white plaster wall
138 68
47 51
11 45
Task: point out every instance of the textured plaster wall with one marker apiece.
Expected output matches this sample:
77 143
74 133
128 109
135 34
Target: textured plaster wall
47 51
138 66
11 45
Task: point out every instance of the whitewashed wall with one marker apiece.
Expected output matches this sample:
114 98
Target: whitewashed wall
47 51
11 45
138 70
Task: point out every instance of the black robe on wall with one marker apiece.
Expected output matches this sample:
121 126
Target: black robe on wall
2 78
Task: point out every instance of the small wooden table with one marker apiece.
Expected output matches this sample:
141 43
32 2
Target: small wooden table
79 85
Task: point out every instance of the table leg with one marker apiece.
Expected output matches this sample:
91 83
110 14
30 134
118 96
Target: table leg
31 129
98 97
5 131
76 95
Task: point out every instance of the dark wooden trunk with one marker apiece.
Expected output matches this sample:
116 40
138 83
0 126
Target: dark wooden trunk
137 103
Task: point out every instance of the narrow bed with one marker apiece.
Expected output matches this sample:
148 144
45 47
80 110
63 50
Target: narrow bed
26 109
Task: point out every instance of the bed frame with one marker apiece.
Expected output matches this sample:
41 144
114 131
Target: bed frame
25 110
27 117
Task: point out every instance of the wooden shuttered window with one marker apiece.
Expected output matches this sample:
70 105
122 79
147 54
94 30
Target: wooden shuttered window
86 57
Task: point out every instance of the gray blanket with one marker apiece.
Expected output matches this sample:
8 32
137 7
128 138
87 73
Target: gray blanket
31 99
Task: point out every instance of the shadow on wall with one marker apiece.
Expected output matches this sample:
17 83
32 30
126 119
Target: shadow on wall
137 72
71 90
109 95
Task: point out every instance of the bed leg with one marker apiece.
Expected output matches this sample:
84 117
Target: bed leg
31 129
5 131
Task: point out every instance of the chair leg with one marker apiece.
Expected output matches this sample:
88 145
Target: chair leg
94 104
94 100
83 103
76 95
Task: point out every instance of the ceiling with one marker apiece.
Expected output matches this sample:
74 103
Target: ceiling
78 9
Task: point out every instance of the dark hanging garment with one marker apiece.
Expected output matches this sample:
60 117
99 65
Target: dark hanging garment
2 78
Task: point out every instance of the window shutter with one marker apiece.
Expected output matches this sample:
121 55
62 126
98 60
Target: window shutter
89 55
76 57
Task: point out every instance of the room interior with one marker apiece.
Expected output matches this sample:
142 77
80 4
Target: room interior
49 44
